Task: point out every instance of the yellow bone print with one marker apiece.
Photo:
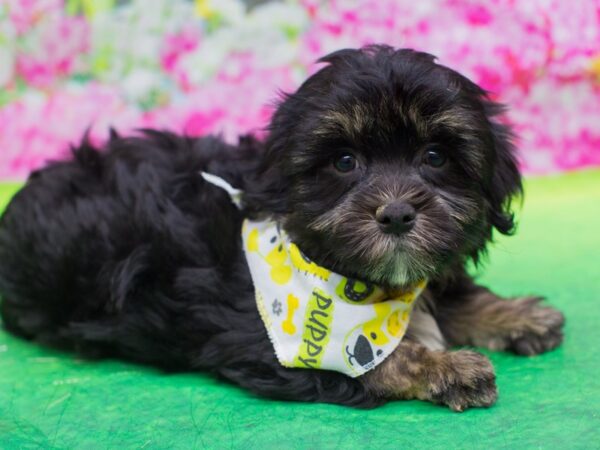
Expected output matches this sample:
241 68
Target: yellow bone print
292 305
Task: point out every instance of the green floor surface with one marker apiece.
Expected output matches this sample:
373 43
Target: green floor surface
53 400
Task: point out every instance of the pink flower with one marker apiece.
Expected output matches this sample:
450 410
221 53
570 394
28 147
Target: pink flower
478 15
53 50
176 45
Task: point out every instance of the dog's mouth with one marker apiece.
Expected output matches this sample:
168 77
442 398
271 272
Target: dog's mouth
398 269
387 260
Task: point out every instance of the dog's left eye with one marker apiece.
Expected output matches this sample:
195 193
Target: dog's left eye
346 162
434 157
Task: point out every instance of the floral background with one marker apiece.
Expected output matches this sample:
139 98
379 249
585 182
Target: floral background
216 66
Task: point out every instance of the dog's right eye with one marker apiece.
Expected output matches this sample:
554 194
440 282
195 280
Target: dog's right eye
434 157
344 163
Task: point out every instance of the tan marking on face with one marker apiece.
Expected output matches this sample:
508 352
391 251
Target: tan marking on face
352 121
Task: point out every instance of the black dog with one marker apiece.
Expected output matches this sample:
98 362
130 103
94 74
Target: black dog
384 166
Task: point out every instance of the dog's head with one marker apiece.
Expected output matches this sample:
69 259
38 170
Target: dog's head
389 167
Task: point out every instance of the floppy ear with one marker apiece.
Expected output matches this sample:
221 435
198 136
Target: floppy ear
266 187
505 183
504 178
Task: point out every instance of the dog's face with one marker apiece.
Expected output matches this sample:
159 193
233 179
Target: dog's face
388 167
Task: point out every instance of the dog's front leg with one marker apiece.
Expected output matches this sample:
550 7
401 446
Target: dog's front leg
460 379
469 314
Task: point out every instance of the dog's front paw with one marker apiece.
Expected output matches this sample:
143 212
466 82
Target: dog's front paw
540 328
468 380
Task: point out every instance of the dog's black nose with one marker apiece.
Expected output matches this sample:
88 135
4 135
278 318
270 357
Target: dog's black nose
397 217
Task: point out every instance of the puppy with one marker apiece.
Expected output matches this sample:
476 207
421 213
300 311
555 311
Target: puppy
384 167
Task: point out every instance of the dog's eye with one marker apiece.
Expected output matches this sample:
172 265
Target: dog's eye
434 157
346 162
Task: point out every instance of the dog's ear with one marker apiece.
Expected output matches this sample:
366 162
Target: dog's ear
505 180
266 187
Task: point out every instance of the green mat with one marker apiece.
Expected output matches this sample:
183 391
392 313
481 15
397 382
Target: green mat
54 400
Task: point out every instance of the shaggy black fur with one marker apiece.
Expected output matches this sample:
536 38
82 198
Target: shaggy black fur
129 252
126 251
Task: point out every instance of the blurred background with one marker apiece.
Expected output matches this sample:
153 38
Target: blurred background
216 66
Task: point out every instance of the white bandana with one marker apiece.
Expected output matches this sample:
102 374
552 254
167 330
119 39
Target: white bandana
315 318
318 319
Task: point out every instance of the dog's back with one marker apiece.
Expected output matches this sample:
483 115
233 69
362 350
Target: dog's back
87 240
128 252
